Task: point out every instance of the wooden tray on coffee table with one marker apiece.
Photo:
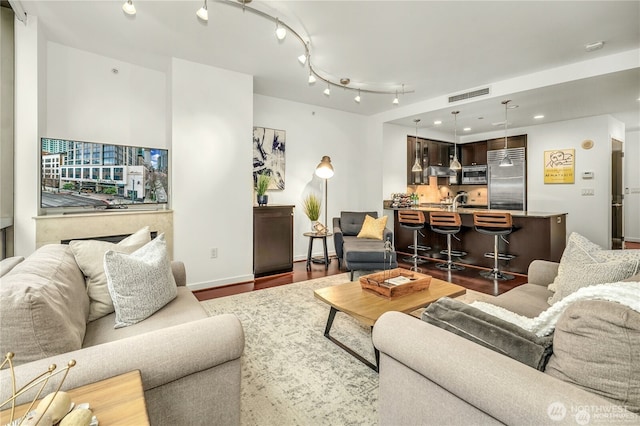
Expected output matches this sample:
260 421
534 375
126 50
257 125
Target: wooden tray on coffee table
395 282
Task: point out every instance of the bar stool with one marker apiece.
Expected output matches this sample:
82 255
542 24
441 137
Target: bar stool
447 223
414 220
497 224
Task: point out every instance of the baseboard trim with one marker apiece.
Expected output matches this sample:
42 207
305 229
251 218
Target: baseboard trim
221 282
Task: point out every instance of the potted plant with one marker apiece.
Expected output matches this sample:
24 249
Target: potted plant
262 185
311 206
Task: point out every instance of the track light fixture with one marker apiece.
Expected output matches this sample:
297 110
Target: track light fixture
129 8
282 30
203 13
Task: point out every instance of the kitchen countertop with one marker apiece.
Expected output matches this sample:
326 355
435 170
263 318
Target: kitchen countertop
432 207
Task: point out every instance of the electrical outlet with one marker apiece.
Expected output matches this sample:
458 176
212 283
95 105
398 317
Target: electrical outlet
588 191
214 253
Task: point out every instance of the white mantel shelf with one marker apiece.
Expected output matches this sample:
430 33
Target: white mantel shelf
51 229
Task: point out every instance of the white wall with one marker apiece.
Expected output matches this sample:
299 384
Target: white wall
632 182
212 172
313 132
87 101
29 64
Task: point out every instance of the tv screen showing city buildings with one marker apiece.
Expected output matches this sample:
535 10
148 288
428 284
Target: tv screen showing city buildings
101 176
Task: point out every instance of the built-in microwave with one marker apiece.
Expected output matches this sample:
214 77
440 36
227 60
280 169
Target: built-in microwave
474 175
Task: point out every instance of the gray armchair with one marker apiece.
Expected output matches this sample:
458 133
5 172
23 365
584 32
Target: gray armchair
361 253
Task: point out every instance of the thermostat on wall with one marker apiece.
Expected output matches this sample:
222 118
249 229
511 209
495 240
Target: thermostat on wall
587 175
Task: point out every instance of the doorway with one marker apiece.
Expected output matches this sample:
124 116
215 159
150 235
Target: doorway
617 196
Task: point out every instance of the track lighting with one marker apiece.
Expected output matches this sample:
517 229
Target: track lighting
327 91
302 59
312 78
129 8
396 101
281 32
357 98
203 13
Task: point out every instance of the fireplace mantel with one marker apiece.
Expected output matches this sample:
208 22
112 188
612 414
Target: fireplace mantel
52 229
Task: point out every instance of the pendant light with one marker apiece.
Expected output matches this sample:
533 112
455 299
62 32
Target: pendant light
455 164
506 160
416 166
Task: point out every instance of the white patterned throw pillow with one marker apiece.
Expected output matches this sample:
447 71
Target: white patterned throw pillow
140 283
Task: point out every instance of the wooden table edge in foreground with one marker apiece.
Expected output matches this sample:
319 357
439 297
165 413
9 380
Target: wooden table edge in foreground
355 297
118 400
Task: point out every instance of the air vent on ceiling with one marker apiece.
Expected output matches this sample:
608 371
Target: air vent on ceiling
469 95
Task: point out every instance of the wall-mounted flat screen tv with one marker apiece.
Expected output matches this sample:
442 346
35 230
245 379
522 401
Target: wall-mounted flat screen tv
77 174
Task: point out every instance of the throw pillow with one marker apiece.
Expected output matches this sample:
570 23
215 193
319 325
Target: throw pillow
576 276
599 353
489 331
579 250
140 283
373 228
89 256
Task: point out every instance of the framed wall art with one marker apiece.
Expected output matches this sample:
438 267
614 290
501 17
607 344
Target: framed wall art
559 166
269 155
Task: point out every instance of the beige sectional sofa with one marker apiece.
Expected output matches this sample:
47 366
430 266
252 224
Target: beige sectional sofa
432 376
189 362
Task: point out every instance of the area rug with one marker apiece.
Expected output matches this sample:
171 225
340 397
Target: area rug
291 373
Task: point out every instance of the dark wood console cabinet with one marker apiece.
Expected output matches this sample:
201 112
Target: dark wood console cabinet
272 240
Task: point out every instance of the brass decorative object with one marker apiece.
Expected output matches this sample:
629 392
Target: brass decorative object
40 380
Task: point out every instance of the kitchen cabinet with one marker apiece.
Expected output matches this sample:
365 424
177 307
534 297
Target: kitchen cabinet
272 239
430 153
519 141
473 153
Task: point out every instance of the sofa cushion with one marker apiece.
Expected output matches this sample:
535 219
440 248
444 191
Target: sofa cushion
44 305
576 276
351 222
363 250
373 228
8 264
527 299
140 283
599 352
89 255
184 308
489 331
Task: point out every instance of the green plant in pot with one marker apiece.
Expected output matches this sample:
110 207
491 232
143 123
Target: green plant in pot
261 188
311 206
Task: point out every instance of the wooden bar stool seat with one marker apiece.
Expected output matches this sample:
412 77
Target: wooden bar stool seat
498 224
447 223
413 220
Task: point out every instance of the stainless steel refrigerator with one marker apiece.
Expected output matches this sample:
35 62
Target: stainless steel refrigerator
507 186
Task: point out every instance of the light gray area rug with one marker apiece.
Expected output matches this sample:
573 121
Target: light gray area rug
291 373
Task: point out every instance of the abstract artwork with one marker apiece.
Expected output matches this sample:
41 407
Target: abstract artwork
268 155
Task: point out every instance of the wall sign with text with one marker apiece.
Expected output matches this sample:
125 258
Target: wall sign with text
559 166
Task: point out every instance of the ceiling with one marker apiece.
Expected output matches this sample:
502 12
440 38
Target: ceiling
434 48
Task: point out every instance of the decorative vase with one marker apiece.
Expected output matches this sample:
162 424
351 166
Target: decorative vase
313 225
262 200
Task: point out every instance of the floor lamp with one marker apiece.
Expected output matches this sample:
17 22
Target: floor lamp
324 170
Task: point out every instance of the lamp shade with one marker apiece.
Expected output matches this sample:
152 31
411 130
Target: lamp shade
324 170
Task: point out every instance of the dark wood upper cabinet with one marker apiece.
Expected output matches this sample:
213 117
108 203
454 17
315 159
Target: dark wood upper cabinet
473 153
430 153
519 141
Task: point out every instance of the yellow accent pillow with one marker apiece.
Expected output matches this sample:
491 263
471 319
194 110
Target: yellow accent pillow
373 228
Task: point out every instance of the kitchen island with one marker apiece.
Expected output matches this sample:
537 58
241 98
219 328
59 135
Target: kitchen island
536 235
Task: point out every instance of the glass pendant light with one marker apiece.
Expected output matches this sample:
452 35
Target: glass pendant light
455 164
416 166
506 160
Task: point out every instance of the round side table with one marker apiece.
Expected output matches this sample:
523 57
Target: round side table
312 237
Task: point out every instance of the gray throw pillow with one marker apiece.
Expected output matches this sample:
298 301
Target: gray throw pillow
490 331
351 222
140 283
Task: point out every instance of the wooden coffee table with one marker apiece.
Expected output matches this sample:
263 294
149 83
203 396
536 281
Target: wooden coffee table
367 307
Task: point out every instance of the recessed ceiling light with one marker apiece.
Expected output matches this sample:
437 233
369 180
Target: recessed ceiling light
594 46
437 122
538 117
467 129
